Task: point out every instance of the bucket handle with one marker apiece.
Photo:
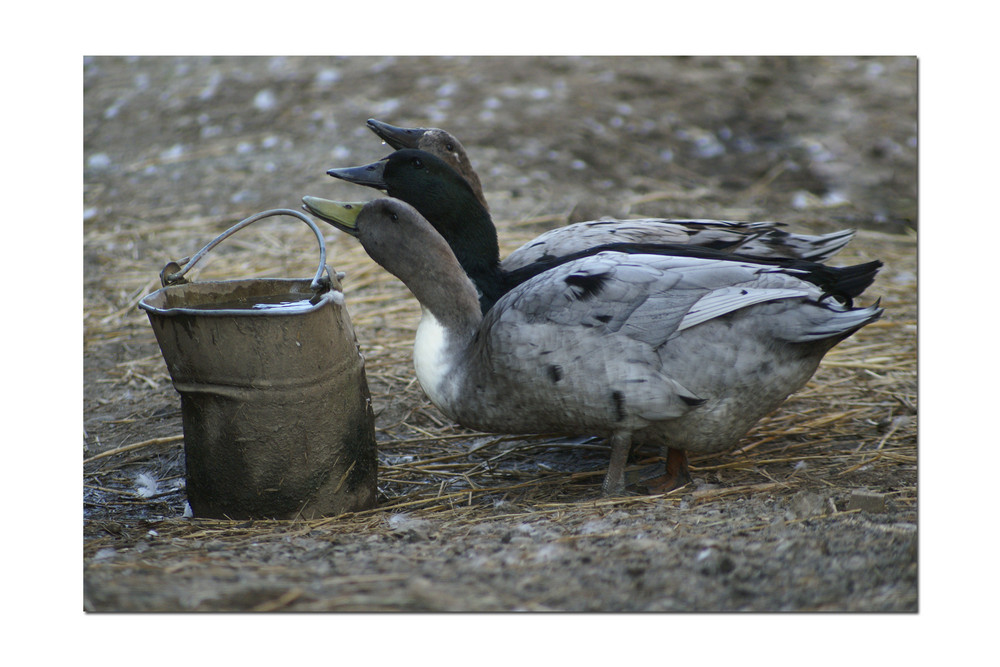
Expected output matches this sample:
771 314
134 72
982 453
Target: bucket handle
173 274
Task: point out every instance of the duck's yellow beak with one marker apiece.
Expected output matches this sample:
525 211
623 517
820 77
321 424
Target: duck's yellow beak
341 214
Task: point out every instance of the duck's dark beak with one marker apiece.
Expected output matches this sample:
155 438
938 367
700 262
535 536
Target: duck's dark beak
369 174
397 137
341 214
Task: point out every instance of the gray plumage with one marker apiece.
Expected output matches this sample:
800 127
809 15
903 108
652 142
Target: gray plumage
760 239
680 352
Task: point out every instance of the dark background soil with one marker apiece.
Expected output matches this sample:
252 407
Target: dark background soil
176 149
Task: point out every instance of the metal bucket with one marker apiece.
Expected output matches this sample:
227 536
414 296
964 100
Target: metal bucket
278 421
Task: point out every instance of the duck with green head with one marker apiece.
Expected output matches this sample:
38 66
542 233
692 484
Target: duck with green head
444 198
686 353
757 239
447 199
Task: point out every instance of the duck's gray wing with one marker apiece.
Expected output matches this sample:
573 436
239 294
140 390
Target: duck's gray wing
595 326
760 239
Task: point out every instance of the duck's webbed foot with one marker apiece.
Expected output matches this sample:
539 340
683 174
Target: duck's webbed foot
675 477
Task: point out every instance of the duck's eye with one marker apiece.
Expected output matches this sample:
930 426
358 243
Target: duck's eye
394 217
450 146
418 163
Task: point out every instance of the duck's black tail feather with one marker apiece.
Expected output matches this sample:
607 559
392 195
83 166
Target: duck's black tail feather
842 282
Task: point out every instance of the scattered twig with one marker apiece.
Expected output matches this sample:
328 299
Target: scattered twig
133 447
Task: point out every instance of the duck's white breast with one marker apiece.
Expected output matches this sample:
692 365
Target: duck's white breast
431 360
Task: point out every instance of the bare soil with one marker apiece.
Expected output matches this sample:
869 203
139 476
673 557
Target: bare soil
815 510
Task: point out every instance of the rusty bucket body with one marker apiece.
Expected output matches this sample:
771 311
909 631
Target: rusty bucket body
277 415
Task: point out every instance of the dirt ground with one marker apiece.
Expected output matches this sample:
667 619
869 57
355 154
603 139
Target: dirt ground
815 510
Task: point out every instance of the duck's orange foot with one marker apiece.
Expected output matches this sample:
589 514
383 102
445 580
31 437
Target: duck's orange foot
676 475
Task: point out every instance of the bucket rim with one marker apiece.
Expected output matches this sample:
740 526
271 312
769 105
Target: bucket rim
331 295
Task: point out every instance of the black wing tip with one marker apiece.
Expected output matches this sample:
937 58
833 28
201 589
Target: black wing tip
587 285
693 401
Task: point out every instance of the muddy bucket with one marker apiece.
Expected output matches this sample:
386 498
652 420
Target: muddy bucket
277 415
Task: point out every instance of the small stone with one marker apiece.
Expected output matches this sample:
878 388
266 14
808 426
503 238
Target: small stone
99 161
805 504
106 553
265 100
866 501
712 562
404 525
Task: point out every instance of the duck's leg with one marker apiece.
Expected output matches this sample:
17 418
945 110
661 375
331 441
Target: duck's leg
676 475
614 480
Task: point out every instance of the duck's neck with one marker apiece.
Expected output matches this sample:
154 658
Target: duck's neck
449 323
457 215
469 230
477 187
444 291
473 238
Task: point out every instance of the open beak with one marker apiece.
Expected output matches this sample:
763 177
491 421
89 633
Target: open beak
369 174
397 137
341 214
